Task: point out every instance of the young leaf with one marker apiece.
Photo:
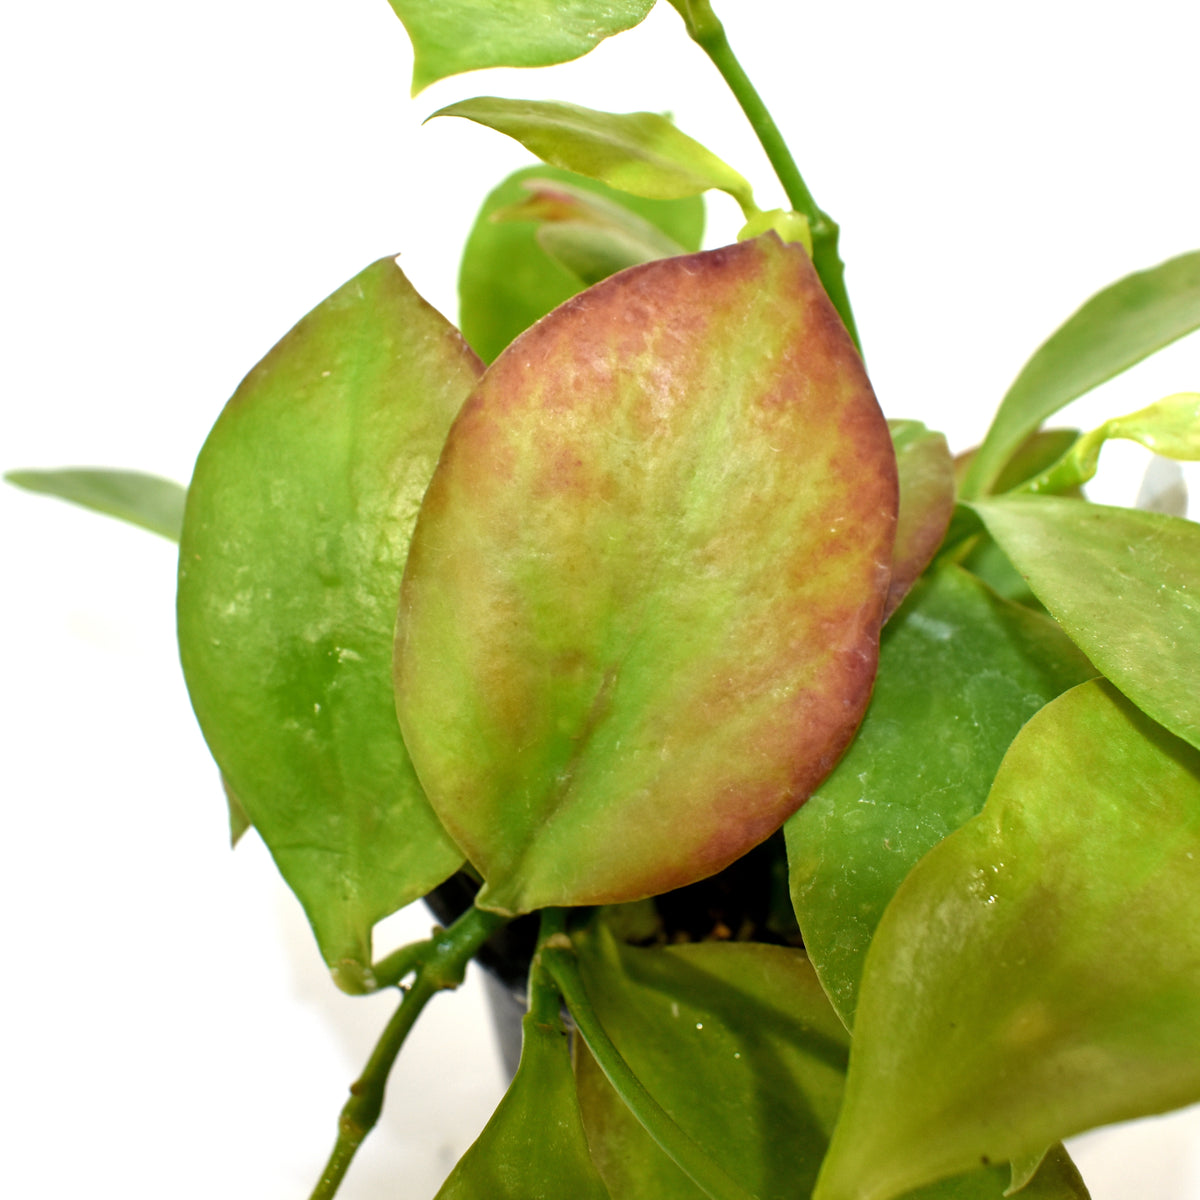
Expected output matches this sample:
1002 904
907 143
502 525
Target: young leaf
591 236
791 227
146 500
639 152
961 670
594 252
1115 329
452 36
534 1144
640 617
1170 428
294 542
560 202
739 1045
1047 956
926 504
1124 584
1037 452
507 281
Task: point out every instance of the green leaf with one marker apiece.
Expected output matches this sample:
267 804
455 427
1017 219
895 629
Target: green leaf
1037 452
640 616
1023 1167
737 1042
1124 584
294 541
146 500
1056 1179
639 152
984 558
986 561
534 1145
452 36
926 473
1170 428
960 670
508 281
1038 973
1115 329
239 822
739 1045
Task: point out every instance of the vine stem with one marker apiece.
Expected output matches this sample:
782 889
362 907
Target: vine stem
706 30
438 964
556 956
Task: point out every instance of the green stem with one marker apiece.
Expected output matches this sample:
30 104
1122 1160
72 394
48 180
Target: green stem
545 1002
557 957
388 972
708 33
439 965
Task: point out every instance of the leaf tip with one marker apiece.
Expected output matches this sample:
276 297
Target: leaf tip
353 977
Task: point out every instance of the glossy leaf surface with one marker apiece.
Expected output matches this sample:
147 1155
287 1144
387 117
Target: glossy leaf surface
153 503
739 1045
1115 329
639 152
508 281
1048 958
295 537
926 503
960 671
452 36
640 616
534 1145
1124 584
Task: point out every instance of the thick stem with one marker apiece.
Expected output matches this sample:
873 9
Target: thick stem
708 33
439 964
557 956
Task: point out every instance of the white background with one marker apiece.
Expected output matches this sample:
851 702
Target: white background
183 182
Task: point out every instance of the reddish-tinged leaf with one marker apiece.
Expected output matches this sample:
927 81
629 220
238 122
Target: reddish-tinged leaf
640 618
508 280
926 503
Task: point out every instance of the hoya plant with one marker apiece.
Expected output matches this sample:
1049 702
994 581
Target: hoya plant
829 803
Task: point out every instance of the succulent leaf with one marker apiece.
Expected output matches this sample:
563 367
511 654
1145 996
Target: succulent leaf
294 541
640 618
